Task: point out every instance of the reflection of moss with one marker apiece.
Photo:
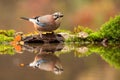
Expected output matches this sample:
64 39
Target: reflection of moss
4 38
80 53
81 50
6 49
109 54
66 50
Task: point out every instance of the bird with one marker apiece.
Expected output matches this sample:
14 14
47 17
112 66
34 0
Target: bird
46 23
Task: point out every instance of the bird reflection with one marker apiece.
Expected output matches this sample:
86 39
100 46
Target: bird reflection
43 48
47 62
45 58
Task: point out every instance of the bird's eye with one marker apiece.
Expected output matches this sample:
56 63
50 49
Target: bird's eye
56 15
36 17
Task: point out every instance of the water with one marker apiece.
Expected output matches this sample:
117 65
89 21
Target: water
60 62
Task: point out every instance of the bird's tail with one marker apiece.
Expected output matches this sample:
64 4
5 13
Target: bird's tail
24 18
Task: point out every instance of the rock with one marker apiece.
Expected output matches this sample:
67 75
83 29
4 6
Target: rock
46 38
83 35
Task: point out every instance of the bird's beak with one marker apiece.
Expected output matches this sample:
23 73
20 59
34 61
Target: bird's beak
61 15
24 18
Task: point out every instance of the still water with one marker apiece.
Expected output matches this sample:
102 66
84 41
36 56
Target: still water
60 62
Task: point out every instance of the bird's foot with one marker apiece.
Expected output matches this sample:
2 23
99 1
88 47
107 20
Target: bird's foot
52 33
40 35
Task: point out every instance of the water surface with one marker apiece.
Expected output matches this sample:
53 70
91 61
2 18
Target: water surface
61 62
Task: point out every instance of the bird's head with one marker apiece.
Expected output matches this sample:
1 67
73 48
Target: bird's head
57 15
36 17
58 69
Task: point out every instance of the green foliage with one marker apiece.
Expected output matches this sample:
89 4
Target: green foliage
61 30
9 33
81 28
6 35
96 37
111 29
72 39
77 40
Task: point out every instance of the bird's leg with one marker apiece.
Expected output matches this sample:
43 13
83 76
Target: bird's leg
40 34
53 33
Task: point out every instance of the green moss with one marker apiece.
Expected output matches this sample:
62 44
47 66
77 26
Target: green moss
9 33
111 29
61 30
82 29
6 35
95 37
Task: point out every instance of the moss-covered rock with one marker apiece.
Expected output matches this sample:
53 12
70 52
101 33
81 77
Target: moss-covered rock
9 33
6 35
111 29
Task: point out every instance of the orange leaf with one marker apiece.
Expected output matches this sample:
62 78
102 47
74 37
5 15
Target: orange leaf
17 38
22 65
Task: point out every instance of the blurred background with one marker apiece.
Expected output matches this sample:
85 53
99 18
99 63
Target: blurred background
88 13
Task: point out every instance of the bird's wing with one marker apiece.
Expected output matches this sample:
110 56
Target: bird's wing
41 24
46 20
